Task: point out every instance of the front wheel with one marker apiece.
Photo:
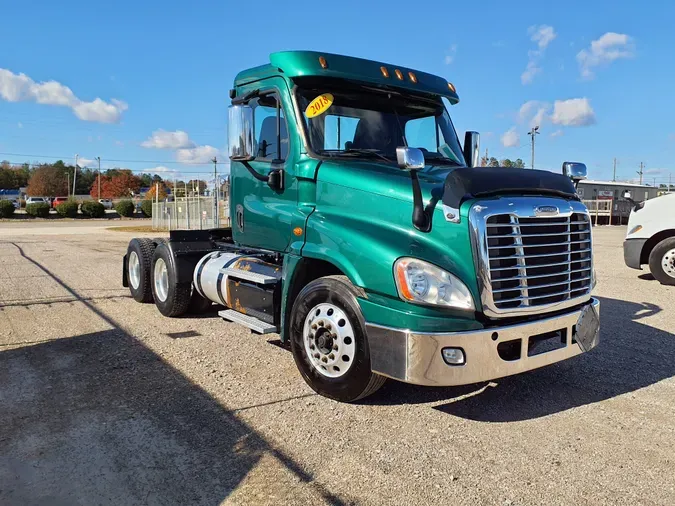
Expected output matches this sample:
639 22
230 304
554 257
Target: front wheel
329 342
662 261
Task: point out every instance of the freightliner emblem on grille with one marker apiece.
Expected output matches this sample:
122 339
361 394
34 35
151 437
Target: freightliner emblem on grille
546 211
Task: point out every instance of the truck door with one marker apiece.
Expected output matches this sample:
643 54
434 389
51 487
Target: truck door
261 216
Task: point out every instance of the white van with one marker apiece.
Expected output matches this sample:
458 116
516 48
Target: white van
651 238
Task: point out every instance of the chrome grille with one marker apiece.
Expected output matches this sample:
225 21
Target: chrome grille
532 264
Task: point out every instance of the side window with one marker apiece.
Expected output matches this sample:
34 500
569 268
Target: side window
266 129
338 131
422 133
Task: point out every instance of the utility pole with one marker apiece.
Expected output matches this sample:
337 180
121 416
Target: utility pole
532 133
215 220
487 160
99 177
614 176
670 179
75 174
68 186
640 172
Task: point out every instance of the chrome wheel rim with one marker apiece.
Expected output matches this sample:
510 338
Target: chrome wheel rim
134 270
668 263
161 280
329 341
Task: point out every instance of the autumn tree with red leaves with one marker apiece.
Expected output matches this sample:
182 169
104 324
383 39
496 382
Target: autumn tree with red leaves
122 184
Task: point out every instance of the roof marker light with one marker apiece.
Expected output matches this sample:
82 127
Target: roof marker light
451 87
323 62
384 71
412 77
399 74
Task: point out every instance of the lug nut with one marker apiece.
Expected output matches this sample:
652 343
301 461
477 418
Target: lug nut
328 327
316 355
311 347
324 359
331 356
314 326
335 347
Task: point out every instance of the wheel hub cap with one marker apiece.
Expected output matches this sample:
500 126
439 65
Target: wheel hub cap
668 263
134 270
161 280
329 342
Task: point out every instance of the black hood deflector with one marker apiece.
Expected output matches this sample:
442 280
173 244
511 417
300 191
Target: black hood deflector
466 183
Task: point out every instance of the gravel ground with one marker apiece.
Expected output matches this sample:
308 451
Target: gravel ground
104 401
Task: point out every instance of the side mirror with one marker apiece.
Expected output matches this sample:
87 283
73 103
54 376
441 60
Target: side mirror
409 158
574 170
241 133
471 149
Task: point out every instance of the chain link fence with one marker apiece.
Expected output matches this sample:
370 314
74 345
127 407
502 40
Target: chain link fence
191 213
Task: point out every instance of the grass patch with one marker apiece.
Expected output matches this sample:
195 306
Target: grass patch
137 228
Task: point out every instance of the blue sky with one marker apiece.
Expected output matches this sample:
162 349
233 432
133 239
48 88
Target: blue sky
598 79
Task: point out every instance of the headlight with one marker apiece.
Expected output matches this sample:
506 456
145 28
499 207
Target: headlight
420 282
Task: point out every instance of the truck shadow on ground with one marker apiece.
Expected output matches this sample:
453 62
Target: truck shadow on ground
631 355
100 418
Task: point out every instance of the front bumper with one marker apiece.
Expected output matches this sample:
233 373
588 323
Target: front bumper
632 251
416 357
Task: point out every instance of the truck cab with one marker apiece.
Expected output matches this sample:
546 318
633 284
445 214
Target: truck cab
365 235
650 237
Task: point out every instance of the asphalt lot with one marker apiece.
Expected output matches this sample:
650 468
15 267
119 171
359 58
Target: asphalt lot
104 401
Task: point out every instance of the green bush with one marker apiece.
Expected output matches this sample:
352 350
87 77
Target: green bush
125 208
6 208
67 209
40 209
92 209
146 207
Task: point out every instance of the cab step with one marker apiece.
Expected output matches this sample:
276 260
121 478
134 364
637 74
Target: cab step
251 322
254 277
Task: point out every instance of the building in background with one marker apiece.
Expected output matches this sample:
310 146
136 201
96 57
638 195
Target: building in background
614 190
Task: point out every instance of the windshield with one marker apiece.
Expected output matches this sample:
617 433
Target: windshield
370 122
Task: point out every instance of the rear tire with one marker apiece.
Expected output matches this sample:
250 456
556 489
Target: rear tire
662 261
139 262
339 366
171 297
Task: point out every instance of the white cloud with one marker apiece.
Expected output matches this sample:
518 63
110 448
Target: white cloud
198 154
163 171
84 162
21 88
161 139
611 46
573 112
530 71
450 56
510 138
542 35
557 133
656 171
533 112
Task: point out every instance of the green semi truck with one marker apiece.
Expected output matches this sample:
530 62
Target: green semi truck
364 234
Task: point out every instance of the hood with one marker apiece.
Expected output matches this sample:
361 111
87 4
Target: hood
467 183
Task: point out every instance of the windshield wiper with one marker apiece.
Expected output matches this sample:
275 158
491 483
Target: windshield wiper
356 151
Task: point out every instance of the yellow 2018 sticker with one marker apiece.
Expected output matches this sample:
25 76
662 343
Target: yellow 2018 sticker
319 105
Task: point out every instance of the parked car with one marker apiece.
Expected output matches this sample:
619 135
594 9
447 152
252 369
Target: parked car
107 203
59 200
36 200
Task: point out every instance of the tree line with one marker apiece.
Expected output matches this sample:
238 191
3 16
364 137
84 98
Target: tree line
504 162
56 180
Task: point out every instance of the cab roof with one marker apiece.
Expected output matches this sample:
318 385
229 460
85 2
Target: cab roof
294 64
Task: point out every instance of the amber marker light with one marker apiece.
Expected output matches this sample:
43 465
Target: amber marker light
384 71
399 74
412 77
323 62
451 87
297 231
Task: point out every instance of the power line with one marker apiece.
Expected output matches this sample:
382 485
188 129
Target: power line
113 160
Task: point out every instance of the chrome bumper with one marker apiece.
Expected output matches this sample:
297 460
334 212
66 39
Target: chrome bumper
416 358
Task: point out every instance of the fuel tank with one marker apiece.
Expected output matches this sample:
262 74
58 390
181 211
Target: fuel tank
236 291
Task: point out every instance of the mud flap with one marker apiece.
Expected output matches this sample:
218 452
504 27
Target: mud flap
125 272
